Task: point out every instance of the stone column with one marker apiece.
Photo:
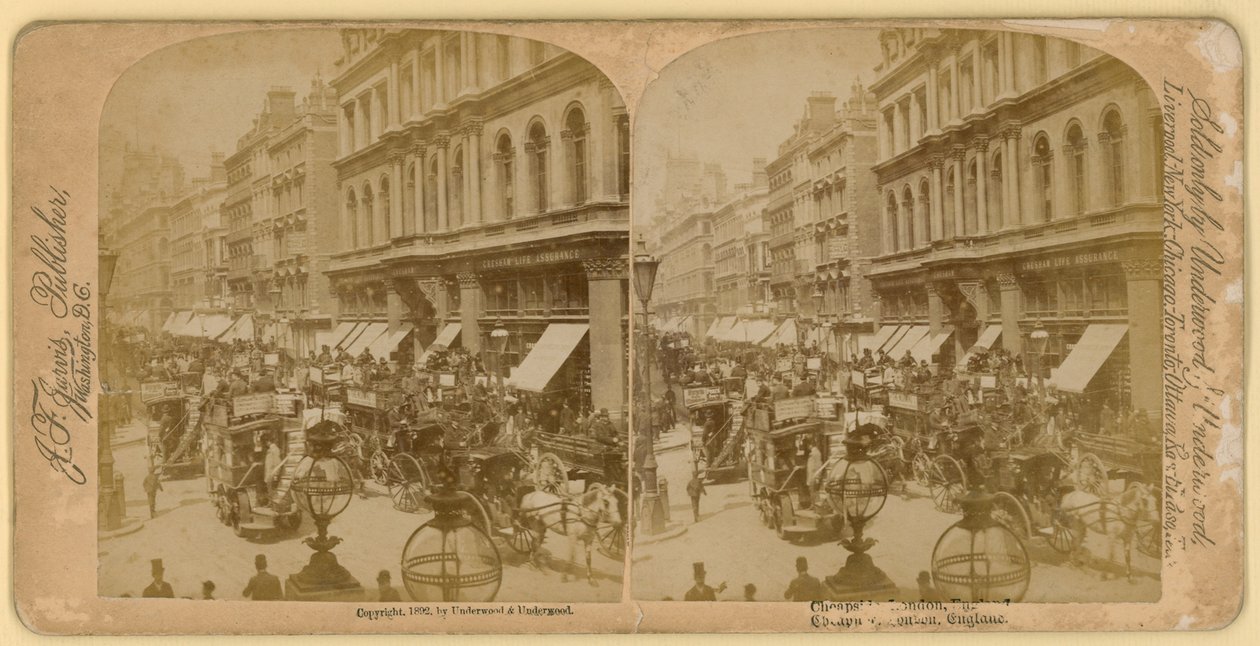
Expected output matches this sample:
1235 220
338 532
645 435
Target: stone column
933 98
345 140
896 129
957 154
977 98
605 277
418 149
1011 179
439 72
982 209
955 82
916 128
562 172
415 89
470 311
391 102
395 214
443 141
362 127
936 309
1143 279
465 181
473 153
1011 339
935 162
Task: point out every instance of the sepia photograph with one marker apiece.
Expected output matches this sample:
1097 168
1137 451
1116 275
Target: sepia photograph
356 282
903 333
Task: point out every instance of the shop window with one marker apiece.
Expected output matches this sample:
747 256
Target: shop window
533 295
1040 299
502 298
569 294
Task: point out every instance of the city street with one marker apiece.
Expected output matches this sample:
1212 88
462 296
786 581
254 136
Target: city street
194 546
906 530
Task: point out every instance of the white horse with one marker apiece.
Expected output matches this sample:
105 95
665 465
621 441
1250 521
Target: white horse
1118 519
576 518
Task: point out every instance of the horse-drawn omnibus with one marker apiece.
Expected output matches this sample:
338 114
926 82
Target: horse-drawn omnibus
717 435
790 448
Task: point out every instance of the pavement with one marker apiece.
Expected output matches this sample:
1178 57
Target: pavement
195 546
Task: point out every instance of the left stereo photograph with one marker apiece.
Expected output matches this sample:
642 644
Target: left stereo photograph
352 283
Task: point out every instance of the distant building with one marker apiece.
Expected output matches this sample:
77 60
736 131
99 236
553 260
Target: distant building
484 178
739 242
1018 178
137 227
197 242
684 300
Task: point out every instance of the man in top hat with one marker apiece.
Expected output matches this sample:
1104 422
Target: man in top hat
385 591
700 591
263 586
603 430
158 588
805 587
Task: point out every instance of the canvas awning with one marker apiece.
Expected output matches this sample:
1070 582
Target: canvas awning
352 336
988 337
908 340
717 326
338 334
241 329
370 333
931 344
1087 356
548 354
388 342
207 326
166 325
756 330
894 338
785 334
447 337
878 340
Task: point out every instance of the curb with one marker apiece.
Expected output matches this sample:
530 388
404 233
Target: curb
122 531
663 536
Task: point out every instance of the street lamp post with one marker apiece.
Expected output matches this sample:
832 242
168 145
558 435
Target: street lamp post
817 298
858 487
322 487
978 558
498 340
645 267
451 558
111 503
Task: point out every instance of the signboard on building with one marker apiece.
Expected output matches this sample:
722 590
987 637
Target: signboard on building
156 389
794 408
693 397
360 397
259 404
904 400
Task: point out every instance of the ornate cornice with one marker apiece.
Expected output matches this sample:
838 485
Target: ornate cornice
1006 281
606 269
981 143
468 280
1146 269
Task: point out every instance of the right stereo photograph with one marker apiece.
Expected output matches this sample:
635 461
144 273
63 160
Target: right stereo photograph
898 321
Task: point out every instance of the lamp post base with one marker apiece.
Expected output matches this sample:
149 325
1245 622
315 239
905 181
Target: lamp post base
653 511
323 579
860 580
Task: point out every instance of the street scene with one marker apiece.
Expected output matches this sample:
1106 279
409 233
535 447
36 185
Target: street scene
911 350
350 337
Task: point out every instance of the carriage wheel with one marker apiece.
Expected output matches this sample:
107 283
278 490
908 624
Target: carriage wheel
522 541
408 483
379 466
1010 512
1062 537
948 483
921 465
1091 475
550 474
783 514
612 538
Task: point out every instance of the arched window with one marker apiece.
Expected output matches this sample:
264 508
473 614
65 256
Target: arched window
1113 144
969 200
996 215
536 148
925 211
575 124
891 219
907 217
385 207
409 201
507 175
951 189
1076 171
455 190
623 155
367 235
1043 161
430 196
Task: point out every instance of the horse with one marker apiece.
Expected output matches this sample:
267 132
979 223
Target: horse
576 518
1116 518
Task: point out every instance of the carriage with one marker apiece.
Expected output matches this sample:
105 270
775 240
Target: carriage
785 491
325 386
720 447
237 431
171 429
497 477
564 458
867 388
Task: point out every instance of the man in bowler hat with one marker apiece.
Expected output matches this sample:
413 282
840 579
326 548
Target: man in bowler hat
700 591
805 587
263 586
159 588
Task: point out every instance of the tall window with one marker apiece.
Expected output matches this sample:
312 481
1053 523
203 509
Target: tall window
951 189
970 209
925 211
1113 141
430 196
538 165
894 237
623 155
995 193
368 235
409 201
1044 161
1076 148
576 125
385 207
455 190
907 213
507 175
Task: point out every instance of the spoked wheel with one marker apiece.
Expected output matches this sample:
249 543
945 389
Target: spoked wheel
522 540
378 464
408 483
1061 535
612 536
921 466
948 482
550 474
1010 512
1091 475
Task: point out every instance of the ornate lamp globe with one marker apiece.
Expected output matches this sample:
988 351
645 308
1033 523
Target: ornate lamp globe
857 485
499 336
450 558
979 558
322 483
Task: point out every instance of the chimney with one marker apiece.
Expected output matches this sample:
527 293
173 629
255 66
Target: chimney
217 172
280 105
759 178
821 110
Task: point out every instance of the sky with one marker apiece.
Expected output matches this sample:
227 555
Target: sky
203 94
738 98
